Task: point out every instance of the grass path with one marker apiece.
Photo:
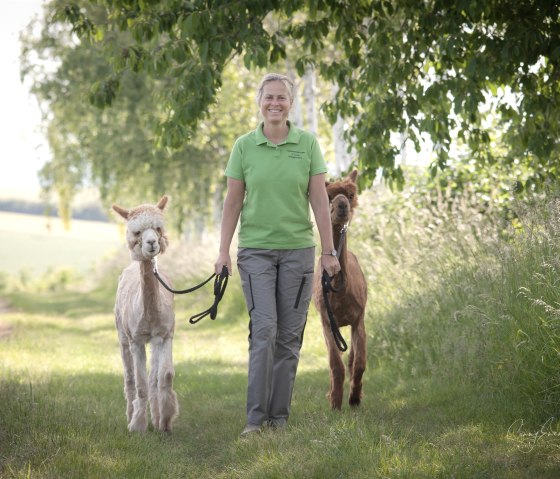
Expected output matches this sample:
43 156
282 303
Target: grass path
62 412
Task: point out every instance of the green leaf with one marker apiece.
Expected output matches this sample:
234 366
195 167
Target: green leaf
247 60
203 51
187 29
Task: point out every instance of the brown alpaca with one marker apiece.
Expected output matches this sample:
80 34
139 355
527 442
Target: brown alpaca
144 314
349 303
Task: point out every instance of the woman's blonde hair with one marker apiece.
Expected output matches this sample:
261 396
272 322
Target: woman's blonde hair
275 77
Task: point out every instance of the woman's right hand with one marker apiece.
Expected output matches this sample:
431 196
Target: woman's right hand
223 260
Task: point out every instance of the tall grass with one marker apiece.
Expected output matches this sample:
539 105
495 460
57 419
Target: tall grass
461 297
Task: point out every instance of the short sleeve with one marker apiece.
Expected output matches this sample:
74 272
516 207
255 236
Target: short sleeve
234 167
317 161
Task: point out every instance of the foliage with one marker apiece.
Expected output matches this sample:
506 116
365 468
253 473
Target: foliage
495 190
115 149
419 68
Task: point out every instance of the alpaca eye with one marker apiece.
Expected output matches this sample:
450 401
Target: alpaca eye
137 233
351 196
158 230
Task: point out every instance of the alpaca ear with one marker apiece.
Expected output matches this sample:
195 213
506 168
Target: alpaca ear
353 175
162 202
121 211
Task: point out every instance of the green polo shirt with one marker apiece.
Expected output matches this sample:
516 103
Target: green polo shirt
275 213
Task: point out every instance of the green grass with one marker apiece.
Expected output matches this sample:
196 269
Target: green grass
62 413
462 379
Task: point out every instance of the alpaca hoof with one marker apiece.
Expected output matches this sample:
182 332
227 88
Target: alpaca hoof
354 401
166 426
137 429
336 405
138 426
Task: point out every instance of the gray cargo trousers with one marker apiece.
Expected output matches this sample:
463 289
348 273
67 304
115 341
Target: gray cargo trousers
277 285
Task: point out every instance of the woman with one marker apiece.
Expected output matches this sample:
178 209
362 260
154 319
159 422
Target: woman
273 174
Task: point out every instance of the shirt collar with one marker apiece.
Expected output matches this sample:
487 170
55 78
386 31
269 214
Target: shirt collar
293 135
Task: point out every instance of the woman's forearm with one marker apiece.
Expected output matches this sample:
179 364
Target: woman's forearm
319 201
230 216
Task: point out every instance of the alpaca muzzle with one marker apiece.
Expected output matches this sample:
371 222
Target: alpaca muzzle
340 209
149 244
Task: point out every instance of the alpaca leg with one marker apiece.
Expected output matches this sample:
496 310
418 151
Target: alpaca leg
336 368
153 381
139 421
359 363
351 360
167 398
129 385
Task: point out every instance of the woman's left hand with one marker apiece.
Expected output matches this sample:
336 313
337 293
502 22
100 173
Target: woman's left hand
330 264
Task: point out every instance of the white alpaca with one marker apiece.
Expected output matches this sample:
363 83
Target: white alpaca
144 313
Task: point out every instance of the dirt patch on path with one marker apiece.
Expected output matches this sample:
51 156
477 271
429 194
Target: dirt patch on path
5 329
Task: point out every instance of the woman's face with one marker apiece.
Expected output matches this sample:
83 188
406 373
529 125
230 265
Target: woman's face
275 102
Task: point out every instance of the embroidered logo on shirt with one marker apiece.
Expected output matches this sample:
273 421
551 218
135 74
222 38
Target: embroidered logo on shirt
297 155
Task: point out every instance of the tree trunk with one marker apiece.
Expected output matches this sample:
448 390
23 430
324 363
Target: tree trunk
296 115
342 158
309 99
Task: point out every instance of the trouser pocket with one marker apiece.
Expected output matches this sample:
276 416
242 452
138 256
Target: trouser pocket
305 291
247 286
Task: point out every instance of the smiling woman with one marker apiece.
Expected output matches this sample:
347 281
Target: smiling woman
275 101
274 174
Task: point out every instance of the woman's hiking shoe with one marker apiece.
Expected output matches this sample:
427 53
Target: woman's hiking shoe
250 429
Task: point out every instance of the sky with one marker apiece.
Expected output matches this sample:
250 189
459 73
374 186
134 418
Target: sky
24 148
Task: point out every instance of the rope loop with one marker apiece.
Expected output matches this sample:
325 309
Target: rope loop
327 286
220 284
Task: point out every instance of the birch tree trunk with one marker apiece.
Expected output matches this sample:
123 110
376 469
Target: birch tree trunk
342 157
309 100
296 114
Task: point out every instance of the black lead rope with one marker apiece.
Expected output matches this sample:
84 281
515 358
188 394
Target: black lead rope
220 284
328 287
338 339
181 291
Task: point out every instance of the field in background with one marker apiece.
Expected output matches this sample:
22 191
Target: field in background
36 243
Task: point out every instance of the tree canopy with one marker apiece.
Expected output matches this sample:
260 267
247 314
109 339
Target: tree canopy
480 73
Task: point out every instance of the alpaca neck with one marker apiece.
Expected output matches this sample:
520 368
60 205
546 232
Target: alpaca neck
149 286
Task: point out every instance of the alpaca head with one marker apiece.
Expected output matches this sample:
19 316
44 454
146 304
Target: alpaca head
343 197
145 229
